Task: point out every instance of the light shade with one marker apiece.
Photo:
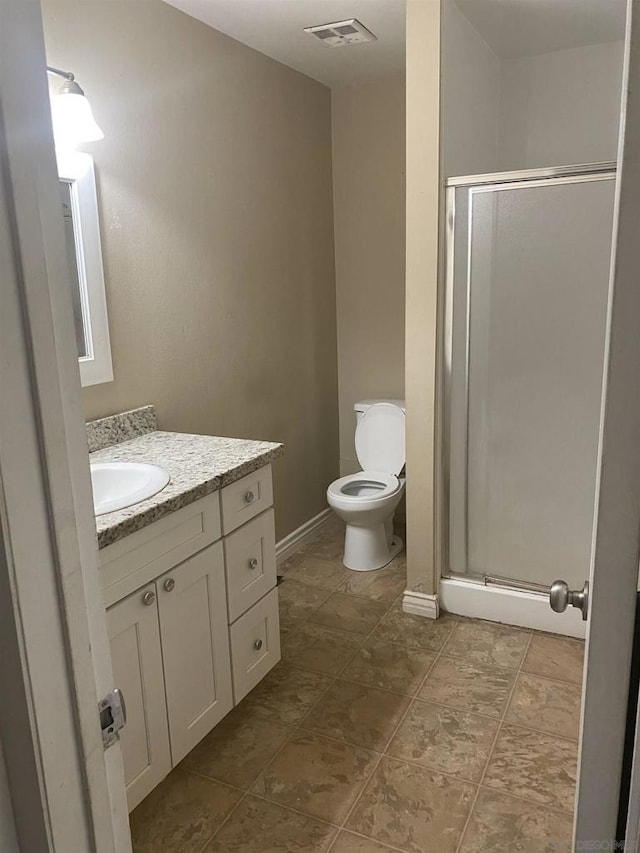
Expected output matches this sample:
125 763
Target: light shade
73 120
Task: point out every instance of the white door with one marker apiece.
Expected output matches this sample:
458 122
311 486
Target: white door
195 648
614 569
67 794
134 635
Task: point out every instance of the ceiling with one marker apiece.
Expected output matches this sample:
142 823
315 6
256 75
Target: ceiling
276 27
515 28
511 28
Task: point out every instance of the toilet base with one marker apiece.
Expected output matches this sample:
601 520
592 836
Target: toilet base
369 548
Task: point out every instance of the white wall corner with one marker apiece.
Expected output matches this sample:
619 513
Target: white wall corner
420 604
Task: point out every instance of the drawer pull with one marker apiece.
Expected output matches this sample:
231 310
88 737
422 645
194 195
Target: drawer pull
249 497
253 564
257 645
148 598
169 584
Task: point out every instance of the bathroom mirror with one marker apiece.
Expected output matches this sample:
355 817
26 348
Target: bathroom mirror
82 236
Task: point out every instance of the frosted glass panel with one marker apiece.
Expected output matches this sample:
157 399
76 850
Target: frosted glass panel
529 317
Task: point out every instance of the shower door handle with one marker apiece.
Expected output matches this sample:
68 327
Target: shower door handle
561 597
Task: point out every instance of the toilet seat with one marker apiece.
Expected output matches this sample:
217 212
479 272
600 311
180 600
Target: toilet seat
369 486
380 439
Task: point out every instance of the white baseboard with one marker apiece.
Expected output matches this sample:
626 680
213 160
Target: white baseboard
420 604
307 531
510 606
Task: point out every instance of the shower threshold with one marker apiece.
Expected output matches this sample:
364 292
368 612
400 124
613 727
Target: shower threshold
506 600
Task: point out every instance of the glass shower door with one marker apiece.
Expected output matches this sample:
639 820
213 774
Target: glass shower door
527 301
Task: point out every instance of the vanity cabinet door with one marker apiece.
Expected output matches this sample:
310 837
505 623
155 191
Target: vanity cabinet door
195 648
134 635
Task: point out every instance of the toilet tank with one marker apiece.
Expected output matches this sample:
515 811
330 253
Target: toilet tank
361 407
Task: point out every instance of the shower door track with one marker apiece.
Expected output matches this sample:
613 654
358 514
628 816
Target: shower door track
502 582
498 180
531 174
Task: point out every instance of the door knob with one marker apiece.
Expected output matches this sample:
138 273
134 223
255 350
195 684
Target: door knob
169 584
253 564
249 497
149 597
561 597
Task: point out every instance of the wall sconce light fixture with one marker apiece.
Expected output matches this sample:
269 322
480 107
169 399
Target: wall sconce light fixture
73 120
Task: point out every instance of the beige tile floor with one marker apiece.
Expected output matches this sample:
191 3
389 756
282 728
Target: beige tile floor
381 731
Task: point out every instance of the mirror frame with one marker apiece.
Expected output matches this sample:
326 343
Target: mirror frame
76 169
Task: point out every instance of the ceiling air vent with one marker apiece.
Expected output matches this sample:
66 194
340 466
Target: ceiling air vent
342 33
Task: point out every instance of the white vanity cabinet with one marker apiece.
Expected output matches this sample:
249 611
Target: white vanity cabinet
134 634
193 622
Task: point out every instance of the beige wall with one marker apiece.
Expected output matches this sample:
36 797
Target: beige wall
214 180
423 85
368 127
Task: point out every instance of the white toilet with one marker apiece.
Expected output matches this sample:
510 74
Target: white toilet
366 501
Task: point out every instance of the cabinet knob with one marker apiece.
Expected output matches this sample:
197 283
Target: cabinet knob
257 645
249 497
149 597
169 584
253 563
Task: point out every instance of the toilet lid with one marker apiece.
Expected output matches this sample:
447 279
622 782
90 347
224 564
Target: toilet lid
380 439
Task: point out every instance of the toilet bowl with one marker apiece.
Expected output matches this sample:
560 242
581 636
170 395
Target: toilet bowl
367 500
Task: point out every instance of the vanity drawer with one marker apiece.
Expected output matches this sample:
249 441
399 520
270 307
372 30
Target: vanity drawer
250 563
246 498
255 644
144 555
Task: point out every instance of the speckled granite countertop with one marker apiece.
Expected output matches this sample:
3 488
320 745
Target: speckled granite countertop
197 465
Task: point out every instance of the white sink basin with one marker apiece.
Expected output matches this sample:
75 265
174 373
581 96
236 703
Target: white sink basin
120 484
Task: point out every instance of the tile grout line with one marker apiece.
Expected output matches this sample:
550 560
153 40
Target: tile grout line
412 697
565 683
355 832
381 755
415 697
298 726
504 722
384 753
248 791
224 822
294 810
410 762
294 729
328 823
335 677
531 730
333 590
492 748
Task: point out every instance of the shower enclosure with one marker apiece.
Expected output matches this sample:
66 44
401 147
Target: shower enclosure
526 294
